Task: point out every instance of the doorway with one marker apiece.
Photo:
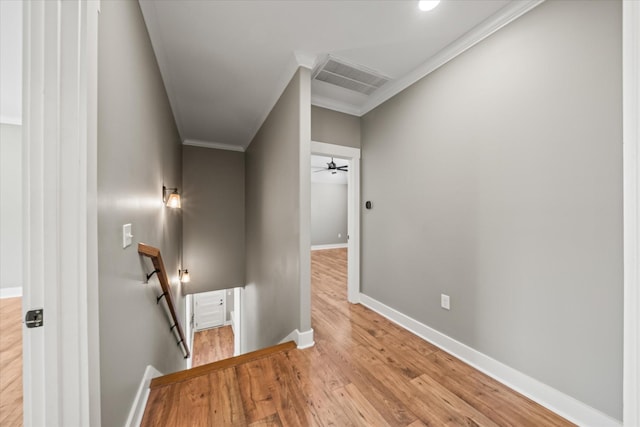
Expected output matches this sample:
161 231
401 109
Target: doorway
352 157
213 325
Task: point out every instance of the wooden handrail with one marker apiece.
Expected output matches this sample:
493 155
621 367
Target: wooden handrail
206 369
158 265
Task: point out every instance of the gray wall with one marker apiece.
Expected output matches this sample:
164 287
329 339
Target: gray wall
328 213
10 206
213 218
138 150
334 127
276 300
507 195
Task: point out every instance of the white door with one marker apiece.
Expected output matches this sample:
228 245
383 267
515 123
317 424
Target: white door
209 309
61 376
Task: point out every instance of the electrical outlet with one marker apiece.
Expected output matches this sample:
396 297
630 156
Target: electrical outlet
444 302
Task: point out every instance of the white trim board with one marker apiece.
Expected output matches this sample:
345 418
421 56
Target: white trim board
331 246
631 197
302 339
558 402
215 145
140 402
13 292
61 367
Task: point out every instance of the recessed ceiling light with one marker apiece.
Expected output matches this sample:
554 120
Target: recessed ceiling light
426 5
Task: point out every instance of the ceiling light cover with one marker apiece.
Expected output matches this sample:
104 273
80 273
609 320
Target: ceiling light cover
426 5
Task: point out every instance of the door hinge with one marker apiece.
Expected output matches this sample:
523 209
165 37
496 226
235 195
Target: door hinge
34 318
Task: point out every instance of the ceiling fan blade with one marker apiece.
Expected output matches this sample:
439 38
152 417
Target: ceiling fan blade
343 168
321 170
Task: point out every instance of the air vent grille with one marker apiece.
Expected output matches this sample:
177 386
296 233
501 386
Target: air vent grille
350 77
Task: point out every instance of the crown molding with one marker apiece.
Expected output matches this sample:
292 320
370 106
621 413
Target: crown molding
306 59
150 17
215 145
332 104
504 16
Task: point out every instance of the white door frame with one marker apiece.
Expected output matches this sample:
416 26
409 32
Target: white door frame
631 177
61 359
237 318
353 210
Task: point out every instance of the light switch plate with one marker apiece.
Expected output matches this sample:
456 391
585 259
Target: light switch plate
127 237
445 302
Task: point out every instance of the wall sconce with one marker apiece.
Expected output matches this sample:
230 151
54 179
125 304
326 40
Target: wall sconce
184 276
173 199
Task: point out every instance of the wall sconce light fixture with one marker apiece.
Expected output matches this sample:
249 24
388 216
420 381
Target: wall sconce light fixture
173 199
184 276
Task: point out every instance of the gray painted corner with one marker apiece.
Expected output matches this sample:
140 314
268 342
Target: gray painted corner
138 151
213 218
271 299
506 195
335 128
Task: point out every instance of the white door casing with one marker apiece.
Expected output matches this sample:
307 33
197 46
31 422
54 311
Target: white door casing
353 211
631 196
209 309
61 373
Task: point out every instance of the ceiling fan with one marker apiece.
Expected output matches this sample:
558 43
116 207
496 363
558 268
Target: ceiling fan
333 168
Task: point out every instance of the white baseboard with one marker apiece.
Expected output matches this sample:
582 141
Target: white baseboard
302 339
558 402
14 292
332 246
140 402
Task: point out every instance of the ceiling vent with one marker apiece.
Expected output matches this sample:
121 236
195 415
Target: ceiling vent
356 78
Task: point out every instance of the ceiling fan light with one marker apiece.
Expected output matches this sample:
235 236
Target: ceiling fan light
427 5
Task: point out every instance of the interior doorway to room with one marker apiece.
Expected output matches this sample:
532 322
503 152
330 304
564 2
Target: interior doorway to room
337 164
213 325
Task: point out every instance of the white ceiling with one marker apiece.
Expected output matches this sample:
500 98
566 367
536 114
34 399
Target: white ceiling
225 63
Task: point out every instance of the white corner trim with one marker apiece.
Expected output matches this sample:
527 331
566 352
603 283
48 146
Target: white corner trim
305 339
302 339
558 402
332 104
631 209
215 145
340 151
140 402
483 30
13 292
305 59
332 246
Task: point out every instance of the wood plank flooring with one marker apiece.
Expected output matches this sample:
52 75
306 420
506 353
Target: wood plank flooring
11 362
212 345
363 371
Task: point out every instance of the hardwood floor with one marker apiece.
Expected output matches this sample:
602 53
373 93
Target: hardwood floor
212 345
11 362
363 371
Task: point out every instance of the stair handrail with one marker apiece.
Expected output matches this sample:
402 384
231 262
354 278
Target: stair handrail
158 265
